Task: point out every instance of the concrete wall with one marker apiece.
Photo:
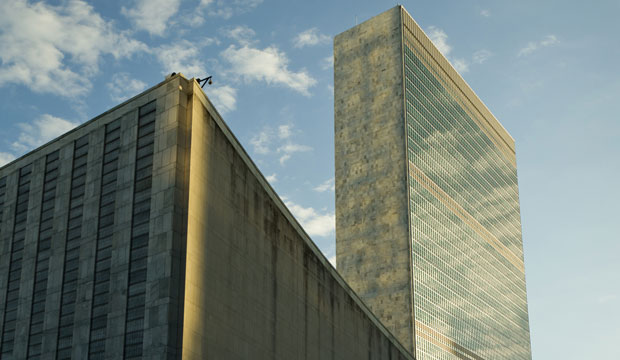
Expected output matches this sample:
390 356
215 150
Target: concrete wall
372 237
256 285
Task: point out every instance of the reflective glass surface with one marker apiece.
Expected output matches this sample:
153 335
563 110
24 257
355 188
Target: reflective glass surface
469 282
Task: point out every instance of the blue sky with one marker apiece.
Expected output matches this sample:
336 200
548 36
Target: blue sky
547 69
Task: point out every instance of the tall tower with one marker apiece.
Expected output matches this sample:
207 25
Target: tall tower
428 228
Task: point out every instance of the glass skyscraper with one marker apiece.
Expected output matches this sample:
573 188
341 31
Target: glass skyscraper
428 227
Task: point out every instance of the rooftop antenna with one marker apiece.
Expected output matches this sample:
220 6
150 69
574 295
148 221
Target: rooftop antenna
205 81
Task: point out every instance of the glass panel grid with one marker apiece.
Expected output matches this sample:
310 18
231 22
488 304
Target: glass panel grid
469 297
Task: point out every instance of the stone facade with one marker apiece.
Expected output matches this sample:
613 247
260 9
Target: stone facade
428 228
166 242
372 246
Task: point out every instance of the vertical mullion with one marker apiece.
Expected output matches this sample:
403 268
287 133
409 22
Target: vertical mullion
100 301
136 281
16 258
72 246
39 290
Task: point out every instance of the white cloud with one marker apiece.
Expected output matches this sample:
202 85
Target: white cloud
227 8
548 40
284 131
40 131
272 178
328 184
284 158
440 40
122 87
314 222
528 49
6 158
152 15
327 62
291 148
461 65
261 142
197 16
222 12
280 139
206 41
269 65
55 49
242 34
224 97
481 56
485 13
181 56
310 37
287 150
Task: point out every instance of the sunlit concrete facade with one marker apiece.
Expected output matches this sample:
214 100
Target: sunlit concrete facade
428 228
148 232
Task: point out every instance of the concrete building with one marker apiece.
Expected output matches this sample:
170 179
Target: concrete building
148 232
428 228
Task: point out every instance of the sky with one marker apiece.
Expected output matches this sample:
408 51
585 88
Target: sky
546 69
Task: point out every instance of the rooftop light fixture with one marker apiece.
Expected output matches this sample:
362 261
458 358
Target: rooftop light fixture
207 80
